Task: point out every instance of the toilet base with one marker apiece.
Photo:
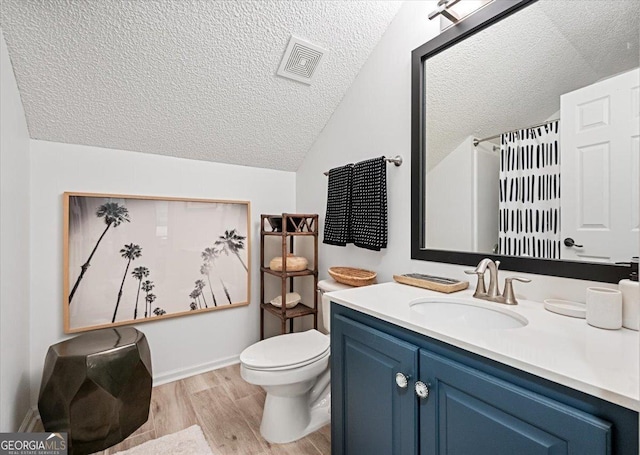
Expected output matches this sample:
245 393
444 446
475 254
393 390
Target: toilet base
298 420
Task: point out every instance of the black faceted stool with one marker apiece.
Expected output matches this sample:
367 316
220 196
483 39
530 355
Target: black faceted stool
97 388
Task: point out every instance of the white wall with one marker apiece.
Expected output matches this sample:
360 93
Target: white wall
450 196
486 198
463 187
374 118
14 250
179 346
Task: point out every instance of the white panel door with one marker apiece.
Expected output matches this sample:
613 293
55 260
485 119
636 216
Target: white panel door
599 143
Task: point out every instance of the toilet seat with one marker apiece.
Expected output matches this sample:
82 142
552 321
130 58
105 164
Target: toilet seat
291 367
285 352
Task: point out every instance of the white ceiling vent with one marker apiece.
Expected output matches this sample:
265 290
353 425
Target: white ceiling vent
301 60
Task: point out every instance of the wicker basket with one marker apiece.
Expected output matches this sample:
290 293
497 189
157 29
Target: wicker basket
352 276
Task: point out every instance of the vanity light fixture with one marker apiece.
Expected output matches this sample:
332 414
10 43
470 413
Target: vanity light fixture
450 15
443 9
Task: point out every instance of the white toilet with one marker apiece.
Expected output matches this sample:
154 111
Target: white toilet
294 371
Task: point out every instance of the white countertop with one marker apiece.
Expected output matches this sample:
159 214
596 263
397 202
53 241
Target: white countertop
562 349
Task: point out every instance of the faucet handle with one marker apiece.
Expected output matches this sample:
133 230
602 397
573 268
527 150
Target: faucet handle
509 295
480 288
517 278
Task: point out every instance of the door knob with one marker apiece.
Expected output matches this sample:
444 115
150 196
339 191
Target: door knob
422 390
570 242
402 380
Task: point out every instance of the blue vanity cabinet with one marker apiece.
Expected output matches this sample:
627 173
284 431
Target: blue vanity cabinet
378 416
470 412
475 406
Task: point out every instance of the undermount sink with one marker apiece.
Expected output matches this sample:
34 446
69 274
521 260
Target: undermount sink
467 313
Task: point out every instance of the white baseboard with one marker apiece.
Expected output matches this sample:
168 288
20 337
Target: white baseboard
182 373
31 418
29 421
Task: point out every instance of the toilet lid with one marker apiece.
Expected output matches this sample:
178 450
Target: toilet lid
331 285
286 350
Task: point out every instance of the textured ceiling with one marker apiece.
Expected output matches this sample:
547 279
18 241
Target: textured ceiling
193 79
512 75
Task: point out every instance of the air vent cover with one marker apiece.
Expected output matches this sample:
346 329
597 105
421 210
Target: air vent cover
301 60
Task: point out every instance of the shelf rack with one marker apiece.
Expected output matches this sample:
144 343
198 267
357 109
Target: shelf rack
287 227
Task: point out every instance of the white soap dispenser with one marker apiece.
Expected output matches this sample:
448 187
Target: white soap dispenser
630 289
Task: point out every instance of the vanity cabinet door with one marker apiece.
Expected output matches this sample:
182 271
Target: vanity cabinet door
470 412
370 412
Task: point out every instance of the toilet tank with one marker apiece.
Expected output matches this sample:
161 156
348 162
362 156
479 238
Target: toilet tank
328 286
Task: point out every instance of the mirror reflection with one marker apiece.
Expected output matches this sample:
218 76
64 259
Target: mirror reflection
532 135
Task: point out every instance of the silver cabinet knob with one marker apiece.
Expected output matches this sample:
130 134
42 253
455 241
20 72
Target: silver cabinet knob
422 390
402 380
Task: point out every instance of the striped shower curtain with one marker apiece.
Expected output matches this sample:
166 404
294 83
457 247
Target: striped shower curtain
530 192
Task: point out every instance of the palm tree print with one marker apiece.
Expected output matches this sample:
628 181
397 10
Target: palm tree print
200 286
210 255
159 311
139 273
130 252
205 269
147 287
150 298
114 214
233 242
194 295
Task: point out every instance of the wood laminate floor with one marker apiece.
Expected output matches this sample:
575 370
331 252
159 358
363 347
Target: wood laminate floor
228 410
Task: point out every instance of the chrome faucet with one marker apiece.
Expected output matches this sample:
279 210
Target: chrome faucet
493 294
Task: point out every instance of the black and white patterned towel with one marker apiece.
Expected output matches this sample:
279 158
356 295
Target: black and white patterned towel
337 224
369 204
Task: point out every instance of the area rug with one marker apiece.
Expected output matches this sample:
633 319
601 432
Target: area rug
190 441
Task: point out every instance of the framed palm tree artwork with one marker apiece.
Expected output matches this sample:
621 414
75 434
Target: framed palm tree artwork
132 259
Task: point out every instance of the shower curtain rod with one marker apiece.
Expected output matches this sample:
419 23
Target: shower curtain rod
477 141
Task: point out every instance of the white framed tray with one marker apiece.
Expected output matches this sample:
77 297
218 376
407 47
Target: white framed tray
291 299
566 308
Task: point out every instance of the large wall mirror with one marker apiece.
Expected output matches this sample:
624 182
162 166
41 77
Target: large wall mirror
525 139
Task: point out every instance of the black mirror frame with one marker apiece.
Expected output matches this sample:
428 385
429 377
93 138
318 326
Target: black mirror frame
490 14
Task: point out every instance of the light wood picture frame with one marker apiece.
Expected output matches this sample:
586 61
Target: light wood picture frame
132 259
